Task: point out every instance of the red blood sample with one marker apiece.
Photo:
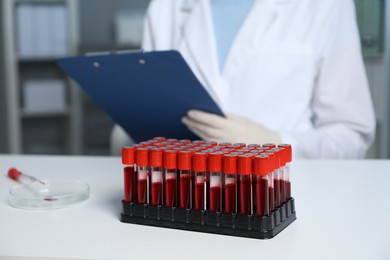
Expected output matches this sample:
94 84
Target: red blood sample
156 193
215 199
283 197
130 187
142 191
262 207
277 192
245 195
230 197
288 190
271 197
185 191
170 192
199 193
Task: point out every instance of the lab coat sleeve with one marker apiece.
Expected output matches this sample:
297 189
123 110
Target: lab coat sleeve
344 121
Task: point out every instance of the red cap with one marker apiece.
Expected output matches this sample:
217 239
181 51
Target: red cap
225 144
198 142
141 157
156 157
199 162
253 146
214 162
172 140
271 160
128 155
184 141
229 164
184 160
159 139
14 173
211 143
278 157
239 145
245 162
261 165
269 145
170 159
288 149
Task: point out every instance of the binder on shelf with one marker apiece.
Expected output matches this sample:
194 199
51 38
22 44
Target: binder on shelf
147 93
42 29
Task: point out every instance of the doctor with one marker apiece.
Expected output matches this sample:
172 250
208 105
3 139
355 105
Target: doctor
286 71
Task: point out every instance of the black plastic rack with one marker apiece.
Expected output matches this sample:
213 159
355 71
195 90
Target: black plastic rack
210 222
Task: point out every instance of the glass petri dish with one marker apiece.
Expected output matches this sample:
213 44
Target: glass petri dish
51 195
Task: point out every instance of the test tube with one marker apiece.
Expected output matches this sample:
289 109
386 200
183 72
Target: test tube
275 199
261 171
130 176
143 173
230 172
185 183
170 178
199 162
245 171
156 171
214 167
286 168
278 175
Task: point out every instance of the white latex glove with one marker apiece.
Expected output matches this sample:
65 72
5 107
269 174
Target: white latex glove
233 128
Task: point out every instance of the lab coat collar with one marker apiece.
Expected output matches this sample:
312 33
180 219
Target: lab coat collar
200 39
198 33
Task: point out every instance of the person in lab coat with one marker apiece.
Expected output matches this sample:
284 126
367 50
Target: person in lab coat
286 71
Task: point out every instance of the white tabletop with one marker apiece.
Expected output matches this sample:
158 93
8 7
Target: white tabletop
342 207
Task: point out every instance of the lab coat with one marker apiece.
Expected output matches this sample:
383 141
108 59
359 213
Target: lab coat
295 67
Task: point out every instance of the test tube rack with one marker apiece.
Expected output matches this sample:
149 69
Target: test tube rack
249 226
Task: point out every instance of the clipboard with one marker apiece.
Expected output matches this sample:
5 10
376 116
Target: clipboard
147 93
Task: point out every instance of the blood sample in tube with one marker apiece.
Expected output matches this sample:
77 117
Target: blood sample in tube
245 171
288 159
143 173
229 168
261 171
170 178
199 162
156 166
130 176
185 176
214 165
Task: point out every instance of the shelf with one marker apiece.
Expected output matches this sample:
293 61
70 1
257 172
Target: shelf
39 59
63 113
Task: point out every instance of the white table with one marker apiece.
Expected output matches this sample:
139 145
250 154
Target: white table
343 210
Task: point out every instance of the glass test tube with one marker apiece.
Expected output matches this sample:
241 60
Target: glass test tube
286 168
199 162
170 178
156 171
230 173
130 176
214 164
245 171
143 172
261 190
185 176
272 183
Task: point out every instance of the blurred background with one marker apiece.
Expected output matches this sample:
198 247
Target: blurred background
44 112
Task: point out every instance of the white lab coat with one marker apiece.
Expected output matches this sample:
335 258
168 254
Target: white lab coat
295 67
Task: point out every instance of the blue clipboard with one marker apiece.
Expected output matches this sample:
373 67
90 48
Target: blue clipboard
147 93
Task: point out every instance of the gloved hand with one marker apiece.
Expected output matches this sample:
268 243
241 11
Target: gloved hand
233 128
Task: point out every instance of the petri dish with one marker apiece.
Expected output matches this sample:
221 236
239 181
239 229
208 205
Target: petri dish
50 195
